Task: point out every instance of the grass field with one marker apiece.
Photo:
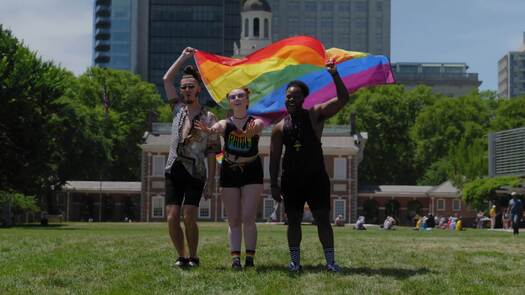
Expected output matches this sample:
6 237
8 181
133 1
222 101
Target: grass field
137 258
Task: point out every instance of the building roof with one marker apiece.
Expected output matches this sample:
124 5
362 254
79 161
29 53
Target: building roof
443 189
395 190
256 5
332 144
113 187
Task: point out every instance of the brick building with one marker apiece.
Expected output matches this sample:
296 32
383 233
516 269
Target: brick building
342 156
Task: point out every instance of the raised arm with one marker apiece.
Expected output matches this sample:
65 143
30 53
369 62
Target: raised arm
331 107
169 76
276 148
216 128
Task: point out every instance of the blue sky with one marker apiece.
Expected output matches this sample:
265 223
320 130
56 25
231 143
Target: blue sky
477 32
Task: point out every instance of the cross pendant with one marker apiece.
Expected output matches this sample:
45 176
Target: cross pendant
297 145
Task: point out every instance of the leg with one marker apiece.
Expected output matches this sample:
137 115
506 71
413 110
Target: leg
294 234
324 228
250 195
175 230
191 229
231 198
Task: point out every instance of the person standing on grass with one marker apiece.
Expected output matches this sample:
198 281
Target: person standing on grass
241 174
516 212
304 177
492 215
186 175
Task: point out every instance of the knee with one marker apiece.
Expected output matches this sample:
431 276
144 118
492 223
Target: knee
234 221
189 219
173 219
248 219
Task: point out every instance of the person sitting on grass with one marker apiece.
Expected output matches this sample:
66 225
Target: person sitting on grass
360 223
389 223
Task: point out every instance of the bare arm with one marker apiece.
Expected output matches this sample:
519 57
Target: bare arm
276 147
217 128
331 107
210 182
169 76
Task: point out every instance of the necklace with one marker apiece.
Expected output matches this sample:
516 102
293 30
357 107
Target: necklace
241 118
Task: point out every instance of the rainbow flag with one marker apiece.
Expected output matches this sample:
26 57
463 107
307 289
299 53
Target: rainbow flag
219 157
267 72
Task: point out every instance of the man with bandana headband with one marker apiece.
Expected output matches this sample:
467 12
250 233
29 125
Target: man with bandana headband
186 176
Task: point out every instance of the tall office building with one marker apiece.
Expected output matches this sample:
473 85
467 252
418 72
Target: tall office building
511 73
359 25
146 36
114 40
166 27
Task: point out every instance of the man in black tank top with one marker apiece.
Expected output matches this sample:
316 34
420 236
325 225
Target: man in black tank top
304 178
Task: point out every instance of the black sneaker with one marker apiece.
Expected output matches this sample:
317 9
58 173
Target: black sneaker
236 263
193 262
181 262
249 262
294 268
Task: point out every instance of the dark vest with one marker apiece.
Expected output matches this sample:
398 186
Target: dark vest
237 144
303 154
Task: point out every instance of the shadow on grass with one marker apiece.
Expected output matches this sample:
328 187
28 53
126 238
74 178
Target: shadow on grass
398 273
44 227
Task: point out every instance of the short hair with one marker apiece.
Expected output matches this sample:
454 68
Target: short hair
301 85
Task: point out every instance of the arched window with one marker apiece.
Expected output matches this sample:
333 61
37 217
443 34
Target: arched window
266 28
256 28
246 30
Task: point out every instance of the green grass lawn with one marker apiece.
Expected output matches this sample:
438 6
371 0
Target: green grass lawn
137 258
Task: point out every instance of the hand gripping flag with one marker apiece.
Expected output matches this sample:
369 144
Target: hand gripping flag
266 73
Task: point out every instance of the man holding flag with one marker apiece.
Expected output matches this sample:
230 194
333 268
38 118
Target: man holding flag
304 177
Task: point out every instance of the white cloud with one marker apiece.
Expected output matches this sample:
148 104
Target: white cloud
58 30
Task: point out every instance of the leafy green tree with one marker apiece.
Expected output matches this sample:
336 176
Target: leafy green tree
478 192
510 113
29 147
443 125
387 113
116 127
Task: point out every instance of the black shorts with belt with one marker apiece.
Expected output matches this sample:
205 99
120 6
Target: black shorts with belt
181 187
235 174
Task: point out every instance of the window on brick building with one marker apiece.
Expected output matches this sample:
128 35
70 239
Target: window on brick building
440 204
340 168
204 209
159 163
340 208
456 205
268 206
157 208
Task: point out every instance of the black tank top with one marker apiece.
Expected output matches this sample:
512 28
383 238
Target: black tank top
303 154
235 143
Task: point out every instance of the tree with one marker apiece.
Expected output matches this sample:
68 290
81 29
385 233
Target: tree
387 113
510 113
29 149
116 127
442 126
478 192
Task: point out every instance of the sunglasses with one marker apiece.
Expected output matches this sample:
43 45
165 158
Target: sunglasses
239 95
183 87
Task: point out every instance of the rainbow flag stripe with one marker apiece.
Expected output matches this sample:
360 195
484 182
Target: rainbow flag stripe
267 72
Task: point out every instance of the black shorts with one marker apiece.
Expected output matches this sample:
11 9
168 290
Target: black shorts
298 190
181 187
233 175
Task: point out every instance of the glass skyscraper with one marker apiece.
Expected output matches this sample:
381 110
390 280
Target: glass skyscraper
114 34
208 25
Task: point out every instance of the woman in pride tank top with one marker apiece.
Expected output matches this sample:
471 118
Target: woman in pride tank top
241 174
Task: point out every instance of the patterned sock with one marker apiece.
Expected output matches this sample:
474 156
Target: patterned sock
235 254
329 255
295 255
